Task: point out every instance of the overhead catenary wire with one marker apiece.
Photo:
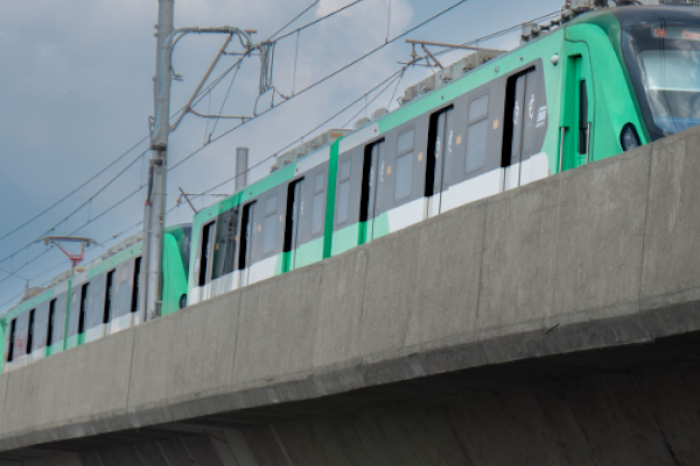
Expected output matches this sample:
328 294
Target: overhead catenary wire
320 81
209 88
78 209
75 190
235 66
205 92
318 20
266 111
394 76
293 20
92 220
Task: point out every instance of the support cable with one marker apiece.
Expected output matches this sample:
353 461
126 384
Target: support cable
293 20
324 79
208 89
75 190
81 206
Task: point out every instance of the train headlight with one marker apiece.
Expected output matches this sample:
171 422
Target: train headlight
183 301
629 138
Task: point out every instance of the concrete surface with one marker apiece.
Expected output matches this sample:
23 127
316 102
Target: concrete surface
587 273
646 417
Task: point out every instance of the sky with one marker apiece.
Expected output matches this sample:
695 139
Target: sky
76 94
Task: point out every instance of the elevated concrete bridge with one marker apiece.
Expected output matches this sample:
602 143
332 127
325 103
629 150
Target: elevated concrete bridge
555 324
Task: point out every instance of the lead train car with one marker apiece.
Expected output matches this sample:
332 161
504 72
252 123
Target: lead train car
100 300
606 82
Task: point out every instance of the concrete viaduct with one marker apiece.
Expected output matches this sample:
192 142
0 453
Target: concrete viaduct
555 324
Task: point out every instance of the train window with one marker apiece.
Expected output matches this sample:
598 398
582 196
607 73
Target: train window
109 298
13 336
246 235
270 225
30 333
136 286
291 228
205 252
371 182
404 176
318 204
519 123
405 142
343 192
52 321
83 307
404 165
583 119
224 252
479 108
477 131
440 147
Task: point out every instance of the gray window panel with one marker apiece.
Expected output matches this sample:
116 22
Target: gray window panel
343 200
41 325
75 303
270 225
479 108
404 176
319 182
96 302
345 170
224 252
121 306
21 334
317 215
476 145
271 206
74 317
405 143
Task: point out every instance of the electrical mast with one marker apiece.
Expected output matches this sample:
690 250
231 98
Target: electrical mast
154 209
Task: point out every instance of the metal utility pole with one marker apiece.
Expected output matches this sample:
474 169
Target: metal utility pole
154 210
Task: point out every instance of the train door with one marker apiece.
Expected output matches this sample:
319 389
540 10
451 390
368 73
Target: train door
520 136
295 208
441 145
245 251
373 167
578 109
205 259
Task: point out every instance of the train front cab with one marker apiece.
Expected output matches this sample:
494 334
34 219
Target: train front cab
631 76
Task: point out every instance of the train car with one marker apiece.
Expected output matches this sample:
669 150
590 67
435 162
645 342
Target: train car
285 218
605 82
100 299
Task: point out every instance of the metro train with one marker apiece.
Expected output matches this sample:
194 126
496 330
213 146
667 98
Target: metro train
605 82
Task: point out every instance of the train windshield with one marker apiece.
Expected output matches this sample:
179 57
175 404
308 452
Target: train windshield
663 56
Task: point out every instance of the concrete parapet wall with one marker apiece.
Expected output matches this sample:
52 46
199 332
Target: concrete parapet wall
602 256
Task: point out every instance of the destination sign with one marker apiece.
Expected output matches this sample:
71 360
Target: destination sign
677 33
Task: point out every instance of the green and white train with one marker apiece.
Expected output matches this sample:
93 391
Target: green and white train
603 83
101 298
